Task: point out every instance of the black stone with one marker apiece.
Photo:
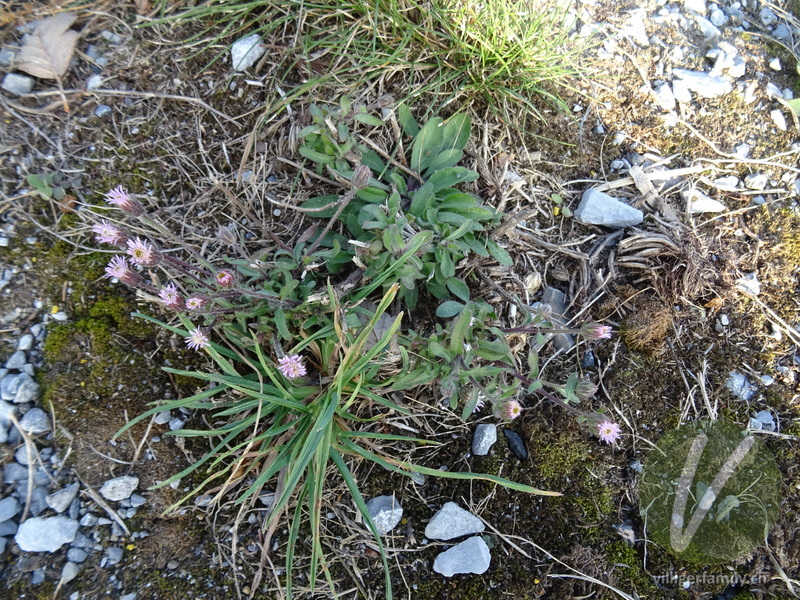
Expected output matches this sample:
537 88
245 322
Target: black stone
515 444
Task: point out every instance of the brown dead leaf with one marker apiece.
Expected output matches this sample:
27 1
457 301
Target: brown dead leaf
143 7
48 50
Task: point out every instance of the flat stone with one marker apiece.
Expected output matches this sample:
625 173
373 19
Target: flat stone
749 283
15 472
6 411
597 208
703 84
7 56
728 183
45 534
8 528
782 32
700 203
162 418
16 361
137 500
25 342
778 118
27 389
664 97
176 423
17 84
246 51
697 6
385 512
38 500
59 501
9 386
740 386
452 521
101 111
484 438
756 181
470 556
35 421
709 30
76 555
119 488
9 507
114 555
717 18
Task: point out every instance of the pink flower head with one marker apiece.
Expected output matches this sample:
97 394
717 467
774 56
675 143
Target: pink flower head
225 278
195 303
171 297
595 331
143 252
119 197
106 233
508 411
292 366
197 339
609 432
118 268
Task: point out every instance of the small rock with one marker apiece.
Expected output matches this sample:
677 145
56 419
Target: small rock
729 183
25 342
7 528
137 500
767 380
163 417
37 576
9 507
597 208
516 444
700 203
246 51
89 520
93 83
176 423
756 181
775 64
17 361
173 564
768 18
131 596
69 572
101 111
17 84
718 18
452 521
119 488
483 439
703 84
45 534
76 555
111 37
385 512
7 56
708 29
767 421
740 386
59 501
470 556
38 500
697 6
749 284
114 555
742 150
782 32
665 97
27 389
6 411
773 91
35 421
14 472
778 119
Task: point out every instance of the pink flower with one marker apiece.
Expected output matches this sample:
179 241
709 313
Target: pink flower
106 233
195 303
119 197
508 411
292 366
143 252
595 331
609 432
118 268
171 297
225 278
197 339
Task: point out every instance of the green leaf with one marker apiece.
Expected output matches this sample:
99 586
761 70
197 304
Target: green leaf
794 104
407 122
451 176
449 309
312 204
368 120
460 329
446 266
280 323
499 254
317 157
446 158
458 288
427 144
372 194
456 132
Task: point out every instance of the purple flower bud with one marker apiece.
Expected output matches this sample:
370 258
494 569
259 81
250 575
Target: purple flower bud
120 197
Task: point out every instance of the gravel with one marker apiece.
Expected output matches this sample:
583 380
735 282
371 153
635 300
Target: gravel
452 521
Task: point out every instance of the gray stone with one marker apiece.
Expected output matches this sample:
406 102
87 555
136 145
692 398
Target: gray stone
16 361
89 520
137 500
7 56
246 51
782 32
17 84
27 389
101 111
76 555
25 342
597 208
15 472
38 501
700 203
94 82
35 421
9 507
484 438
7 528
69 572
697 6
703 84
59 501
9 386
119 488
6 411
111 37
768 18
749 284
114 555
778 118
163 417
555 302
176 423
131 596
37 576
740 386
665 97
766 419
452 521
470 556
756 181
717 18
385 512
45 534
709 30
729 183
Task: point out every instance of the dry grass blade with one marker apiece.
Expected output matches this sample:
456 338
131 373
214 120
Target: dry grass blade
47 52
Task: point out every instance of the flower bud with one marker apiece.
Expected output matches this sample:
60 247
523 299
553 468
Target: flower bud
120 197
361 176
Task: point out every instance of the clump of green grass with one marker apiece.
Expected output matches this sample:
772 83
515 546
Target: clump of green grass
509 54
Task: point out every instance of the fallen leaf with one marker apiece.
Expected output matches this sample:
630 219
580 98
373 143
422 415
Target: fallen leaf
48 50
143 7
